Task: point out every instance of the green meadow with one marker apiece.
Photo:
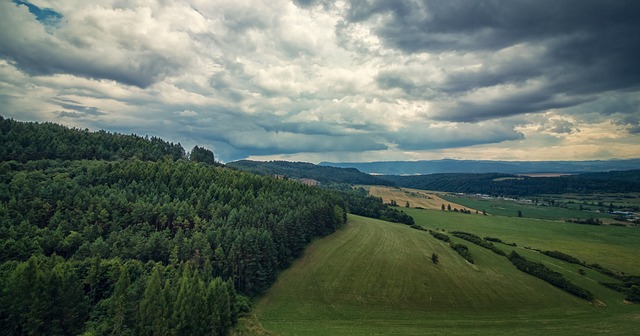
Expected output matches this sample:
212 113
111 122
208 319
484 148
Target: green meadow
377 278
510 208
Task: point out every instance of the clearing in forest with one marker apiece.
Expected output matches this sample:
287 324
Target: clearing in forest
416 198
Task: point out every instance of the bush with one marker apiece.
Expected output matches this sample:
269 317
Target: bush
554 278
633 294
463 251
440 236
563 256
478 241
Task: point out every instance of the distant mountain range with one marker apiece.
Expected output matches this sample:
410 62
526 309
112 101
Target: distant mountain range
483 166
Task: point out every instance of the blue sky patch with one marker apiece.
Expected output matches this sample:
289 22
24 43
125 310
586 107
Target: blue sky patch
46 16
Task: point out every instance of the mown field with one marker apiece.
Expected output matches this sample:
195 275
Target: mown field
416 198
377 278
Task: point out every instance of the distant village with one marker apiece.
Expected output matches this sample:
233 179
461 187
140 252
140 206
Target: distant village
628 216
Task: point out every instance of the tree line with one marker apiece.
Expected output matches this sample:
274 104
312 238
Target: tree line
26 141
514 185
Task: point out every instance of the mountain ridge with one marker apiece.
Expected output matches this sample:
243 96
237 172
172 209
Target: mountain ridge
424 167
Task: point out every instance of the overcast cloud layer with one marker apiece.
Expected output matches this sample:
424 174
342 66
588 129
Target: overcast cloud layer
334 80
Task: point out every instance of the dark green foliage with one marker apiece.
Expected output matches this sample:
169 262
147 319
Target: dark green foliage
23 141
629 286
563 256
492 239
463 251
608 272
418 227
440 236
201 154
149 244
633 295
554 278
588 221
515 185
152 312
29 292
478 241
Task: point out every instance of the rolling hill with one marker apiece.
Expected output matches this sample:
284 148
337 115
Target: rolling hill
376 278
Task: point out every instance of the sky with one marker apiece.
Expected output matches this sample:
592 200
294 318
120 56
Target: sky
319 80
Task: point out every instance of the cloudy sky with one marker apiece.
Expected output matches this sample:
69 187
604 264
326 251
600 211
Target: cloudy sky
320 80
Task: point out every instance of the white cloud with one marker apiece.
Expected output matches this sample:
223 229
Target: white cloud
323 81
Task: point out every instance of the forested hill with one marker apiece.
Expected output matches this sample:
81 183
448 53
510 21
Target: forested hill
137 239
515 185
323 174
25 141
106 234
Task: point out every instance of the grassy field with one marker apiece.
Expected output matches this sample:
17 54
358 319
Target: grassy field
623 202
611 246
376 278
510 208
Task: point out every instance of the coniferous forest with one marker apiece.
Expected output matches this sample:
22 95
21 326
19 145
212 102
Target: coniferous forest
110 234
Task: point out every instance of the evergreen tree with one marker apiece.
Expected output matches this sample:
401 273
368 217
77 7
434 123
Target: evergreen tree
201 154
120 311
152 312
189 312
69 313
218 302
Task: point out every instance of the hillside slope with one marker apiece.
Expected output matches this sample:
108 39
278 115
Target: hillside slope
376 278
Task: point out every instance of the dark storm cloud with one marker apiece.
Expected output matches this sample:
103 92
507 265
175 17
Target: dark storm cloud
632 124
388 80
246 135
586 47
489 24
416 137
464 111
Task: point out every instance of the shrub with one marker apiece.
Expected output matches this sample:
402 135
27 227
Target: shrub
463 251
563 256
554 278
478 241
440 236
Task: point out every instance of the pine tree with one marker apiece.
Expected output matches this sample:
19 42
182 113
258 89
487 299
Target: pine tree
190 312
119 309
152 311
219 319
71 309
